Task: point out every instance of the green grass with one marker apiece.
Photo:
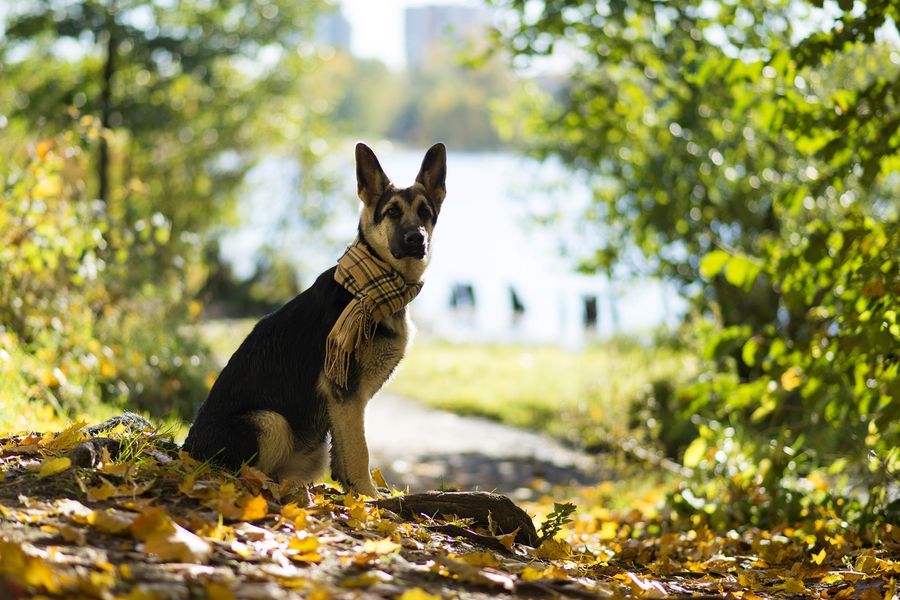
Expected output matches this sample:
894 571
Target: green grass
583 397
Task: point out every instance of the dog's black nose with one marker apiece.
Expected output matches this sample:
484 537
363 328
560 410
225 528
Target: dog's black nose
413 238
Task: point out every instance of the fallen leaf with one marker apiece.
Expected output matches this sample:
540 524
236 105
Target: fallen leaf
66 439
110 520
293 513
508 539
380 547
253 508
417 594
379 478
793 585
867 564
531 574
647 588
480 559
54 466
253 478
305 547
150 522
367 579
181 545
553 550
74 509
104 491
218 591
72 534
33 571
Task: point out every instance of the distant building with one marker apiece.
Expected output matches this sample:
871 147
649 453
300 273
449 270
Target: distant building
430 29
333 29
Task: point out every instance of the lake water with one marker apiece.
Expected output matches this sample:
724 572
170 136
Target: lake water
496 274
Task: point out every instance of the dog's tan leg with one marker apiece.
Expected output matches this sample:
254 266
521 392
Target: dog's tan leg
275 440
349 449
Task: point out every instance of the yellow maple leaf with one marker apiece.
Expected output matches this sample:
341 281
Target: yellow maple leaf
54 466
820 557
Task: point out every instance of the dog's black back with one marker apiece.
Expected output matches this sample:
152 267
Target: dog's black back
275 368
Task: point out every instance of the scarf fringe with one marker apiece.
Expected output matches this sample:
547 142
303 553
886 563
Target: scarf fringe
378 292
359 326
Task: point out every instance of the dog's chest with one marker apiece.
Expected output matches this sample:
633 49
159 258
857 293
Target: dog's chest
378 358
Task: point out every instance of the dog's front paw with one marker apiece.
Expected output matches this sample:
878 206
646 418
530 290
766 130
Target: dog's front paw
366 488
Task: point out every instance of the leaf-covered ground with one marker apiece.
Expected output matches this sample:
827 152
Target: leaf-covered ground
153 523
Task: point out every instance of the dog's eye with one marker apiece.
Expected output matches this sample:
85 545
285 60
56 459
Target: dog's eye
424 213
393 212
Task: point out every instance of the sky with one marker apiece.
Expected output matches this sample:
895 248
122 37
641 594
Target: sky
378 27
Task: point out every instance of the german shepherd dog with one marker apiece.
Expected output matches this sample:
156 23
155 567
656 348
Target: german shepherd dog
273 406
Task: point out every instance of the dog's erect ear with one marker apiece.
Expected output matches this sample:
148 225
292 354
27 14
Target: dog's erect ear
370 178
433 174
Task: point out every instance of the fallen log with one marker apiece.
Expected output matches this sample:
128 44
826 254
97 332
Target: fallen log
483 507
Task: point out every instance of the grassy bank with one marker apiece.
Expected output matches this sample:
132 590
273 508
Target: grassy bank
581 396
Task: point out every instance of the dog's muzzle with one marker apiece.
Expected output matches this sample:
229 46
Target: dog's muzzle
415 244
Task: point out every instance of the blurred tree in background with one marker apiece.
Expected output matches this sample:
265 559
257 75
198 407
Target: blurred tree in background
131 125
448 101
750 152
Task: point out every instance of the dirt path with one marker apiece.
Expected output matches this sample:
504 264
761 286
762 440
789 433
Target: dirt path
424 449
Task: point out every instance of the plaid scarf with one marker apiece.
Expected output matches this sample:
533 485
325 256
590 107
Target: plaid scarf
378 292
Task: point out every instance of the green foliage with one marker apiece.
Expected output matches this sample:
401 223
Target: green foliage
556 520
823 387
72 330
760 174
151 115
